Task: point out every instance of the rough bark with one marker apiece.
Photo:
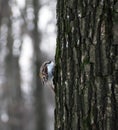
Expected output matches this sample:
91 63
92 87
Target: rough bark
86 70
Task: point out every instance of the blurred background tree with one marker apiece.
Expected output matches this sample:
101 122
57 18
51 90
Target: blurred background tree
27 38
86 74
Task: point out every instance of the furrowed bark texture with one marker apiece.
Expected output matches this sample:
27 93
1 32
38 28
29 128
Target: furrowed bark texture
86 73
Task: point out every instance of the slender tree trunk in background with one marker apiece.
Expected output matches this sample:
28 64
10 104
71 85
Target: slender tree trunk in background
13 93
10 113
13 89
86 74
38 91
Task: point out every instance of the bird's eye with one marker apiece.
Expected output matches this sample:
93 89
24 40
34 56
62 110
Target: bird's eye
49 62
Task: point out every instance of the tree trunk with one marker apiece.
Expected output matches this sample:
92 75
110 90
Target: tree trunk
86 71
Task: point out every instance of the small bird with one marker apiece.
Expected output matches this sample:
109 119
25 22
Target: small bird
47 72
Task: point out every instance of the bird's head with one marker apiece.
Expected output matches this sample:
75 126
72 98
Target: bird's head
46 71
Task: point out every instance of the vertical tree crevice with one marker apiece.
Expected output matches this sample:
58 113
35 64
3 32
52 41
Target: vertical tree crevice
85 74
